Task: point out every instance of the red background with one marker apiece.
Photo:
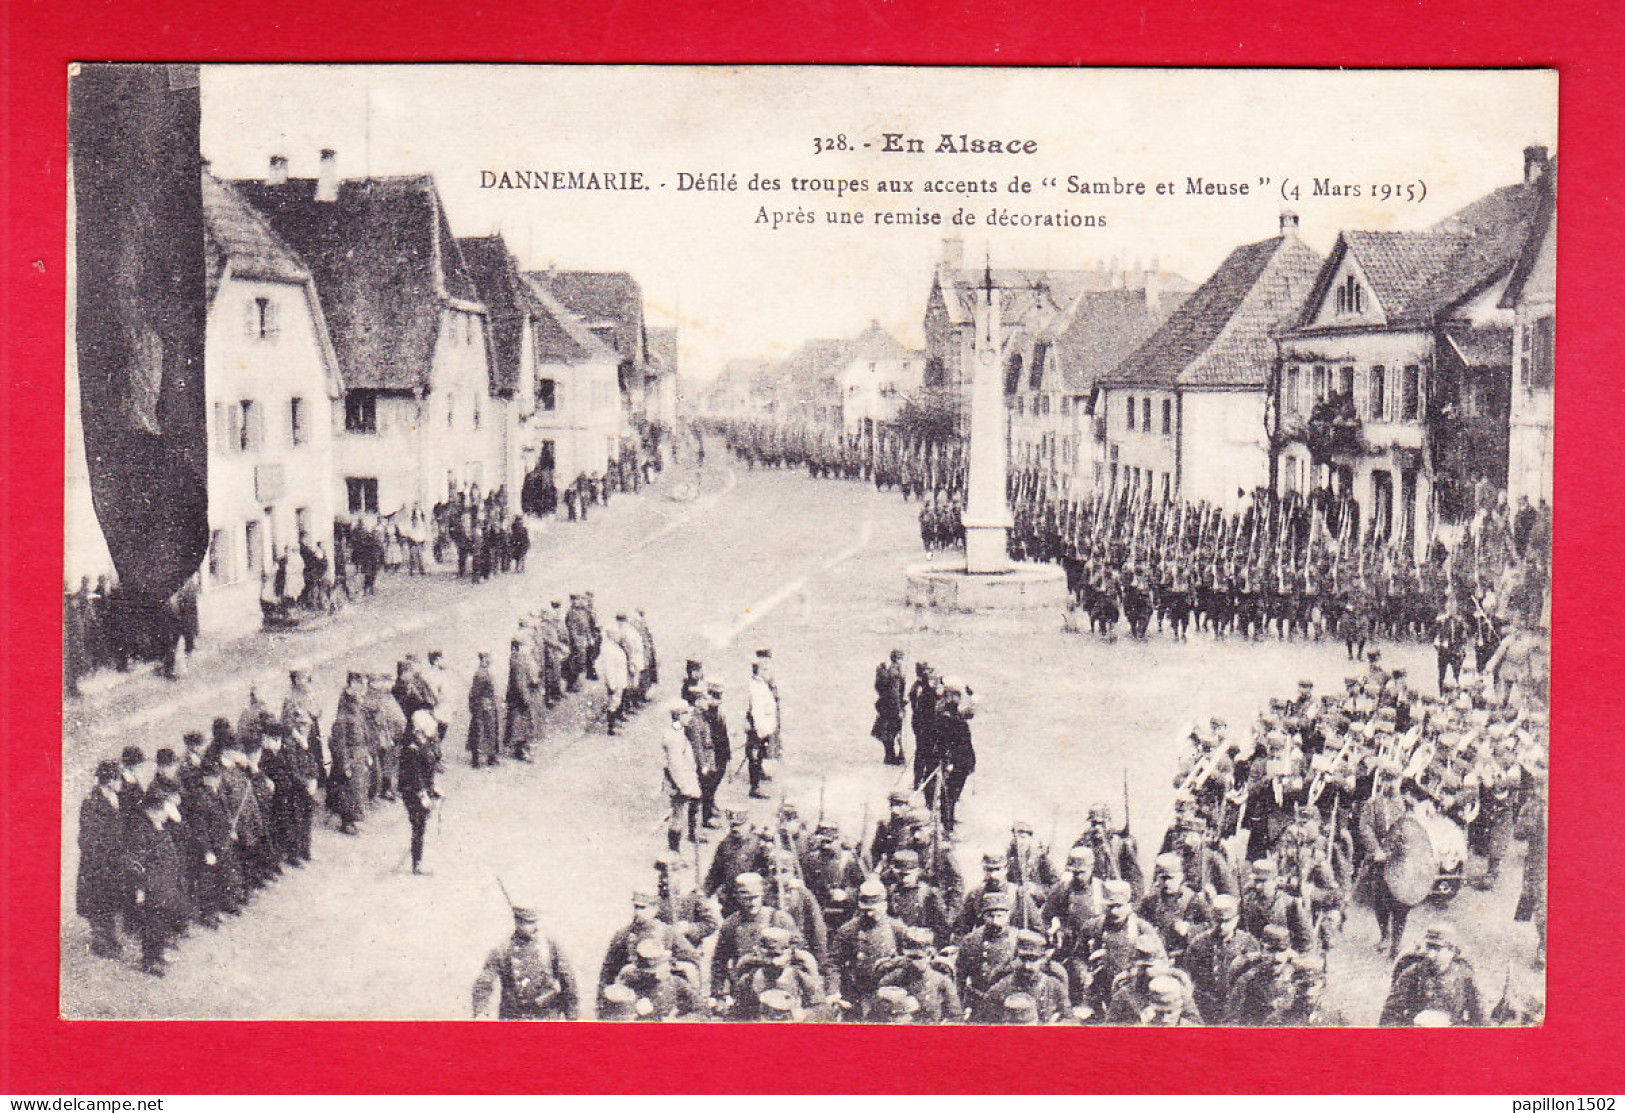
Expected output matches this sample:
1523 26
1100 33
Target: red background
1577 1051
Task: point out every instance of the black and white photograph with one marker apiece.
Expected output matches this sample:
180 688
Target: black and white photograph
808 544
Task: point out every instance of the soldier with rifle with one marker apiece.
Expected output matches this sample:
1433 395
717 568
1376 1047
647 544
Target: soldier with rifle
527 975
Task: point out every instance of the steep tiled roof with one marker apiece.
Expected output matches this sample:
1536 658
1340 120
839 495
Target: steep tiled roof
1099 332
1399 266
875 342
495 275
233 229
385 264
560 337
1482 347
1224 333
602 298
662 348
1419 277
1540 227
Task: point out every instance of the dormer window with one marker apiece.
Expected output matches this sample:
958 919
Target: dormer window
1350 297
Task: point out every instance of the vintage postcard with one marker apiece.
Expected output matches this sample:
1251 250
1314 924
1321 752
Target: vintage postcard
808 544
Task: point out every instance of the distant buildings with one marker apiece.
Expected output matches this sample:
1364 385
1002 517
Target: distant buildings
1183 416
1408 375
879 373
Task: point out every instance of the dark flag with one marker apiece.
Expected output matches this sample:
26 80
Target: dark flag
137 192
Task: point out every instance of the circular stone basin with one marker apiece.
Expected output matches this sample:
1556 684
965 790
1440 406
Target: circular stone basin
944 585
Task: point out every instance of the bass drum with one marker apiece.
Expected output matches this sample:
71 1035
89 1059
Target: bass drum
1412 864
1448 839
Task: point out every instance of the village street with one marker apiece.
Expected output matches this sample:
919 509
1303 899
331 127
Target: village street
738 560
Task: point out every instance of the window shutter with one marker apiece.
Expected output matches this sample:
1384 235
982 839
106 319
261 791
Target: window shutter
234 427
251 317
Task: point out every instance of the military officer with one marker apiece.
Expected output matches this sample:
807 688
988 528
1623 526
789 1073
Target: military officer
860 946
1117 855
913 902
1032 975
1024 913
1172 907
741 931
662 991
1168 1005
529 976
646 924
985 952
776 963
1111 942
1435 978
1213 954
737 853
926 977
1259 978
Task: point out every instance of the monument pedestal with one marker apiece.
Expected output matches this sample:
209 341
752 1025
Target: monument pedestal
946 585
987 547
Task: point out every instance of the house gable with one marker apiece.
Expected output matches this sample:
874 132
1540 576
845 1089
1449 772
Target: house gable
1345 295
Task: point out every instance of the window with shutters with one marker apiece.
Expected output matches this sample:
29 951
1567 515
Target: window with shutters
1167 417
250 426
1145 414
1411 404
1377 394
1289 390
298 421
1345 381
547 394
1541 366
1130 410
1322 383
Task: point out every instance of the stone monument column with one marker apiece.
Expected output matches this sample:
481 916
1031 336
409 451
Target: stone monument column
987 516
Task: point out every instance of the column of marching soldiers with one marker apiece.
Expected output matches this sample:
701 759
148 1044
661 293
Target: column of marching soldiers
1274 833
1295 564
188 838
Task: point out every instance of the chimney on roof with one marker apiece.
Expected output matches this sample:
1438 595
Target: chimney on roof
278 172
1534 162
953 252
1289 224
327 177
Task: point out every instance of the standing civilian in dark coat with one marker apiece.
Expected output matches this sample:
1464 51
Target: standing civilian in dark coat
157 888
99 890
348 772
296 773
525 699
484 723
216 869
